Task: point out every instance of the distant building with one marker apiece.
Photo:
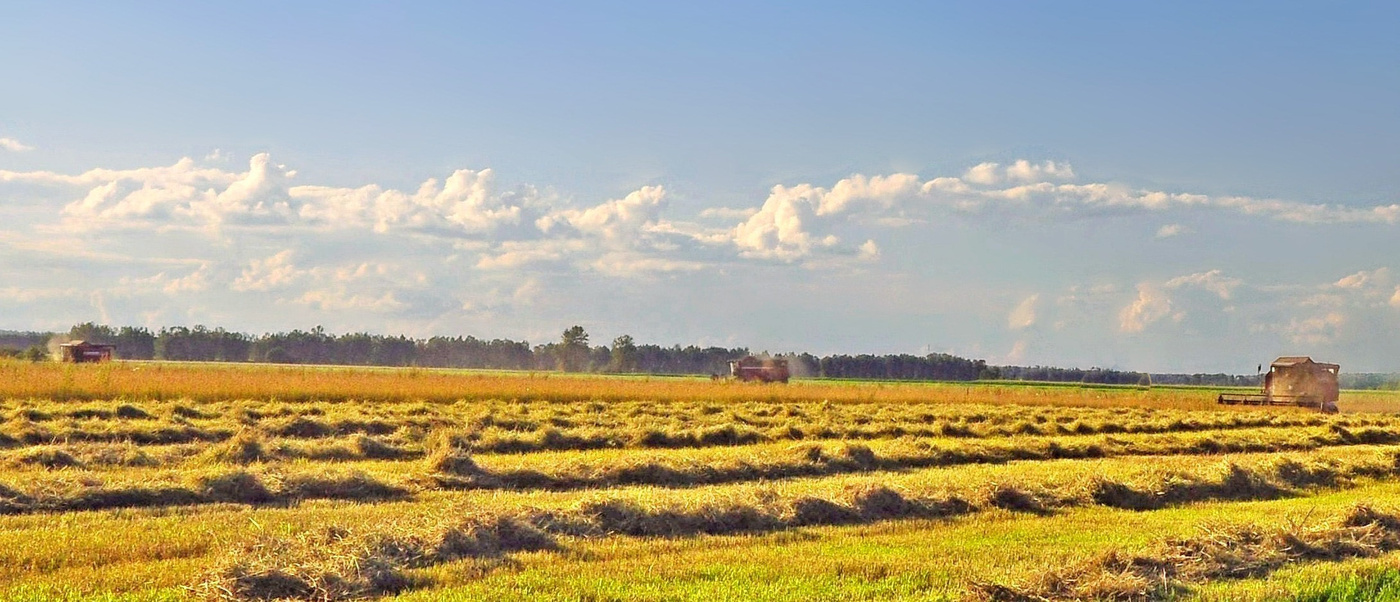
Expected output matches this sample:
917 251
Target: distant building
81 351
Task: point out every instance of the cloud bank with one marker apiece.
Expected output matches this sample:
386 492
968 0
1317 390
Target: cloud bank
195 240
794 222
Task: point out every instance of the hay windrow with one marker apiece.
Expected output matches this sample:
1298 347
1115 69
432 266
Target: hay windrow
52 458
341 565
1215 552
335 563
238 486
1017 499
451 467
454 461
244 448
585 465
325 566
817 459
374 449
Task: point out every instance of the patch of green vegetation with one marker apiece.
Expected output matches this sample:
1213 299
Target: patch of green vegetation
1358 580
1377 587
70 594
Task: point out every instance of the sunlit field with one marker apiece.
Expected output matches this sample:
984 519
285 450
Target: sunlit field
160 481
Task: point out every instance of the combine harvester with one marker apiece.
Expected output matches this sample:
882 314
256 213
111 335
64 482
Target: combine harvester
1294 381
765 370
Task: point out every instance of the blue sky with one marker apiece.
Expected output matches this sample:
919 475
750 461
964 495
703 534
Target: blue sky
1184 186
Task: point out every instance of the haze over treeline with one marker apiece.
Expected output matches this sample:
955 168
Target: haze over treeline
573 352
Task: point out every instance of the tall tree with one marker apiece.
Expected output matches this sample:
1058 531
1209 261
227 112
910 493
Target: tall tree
572 353
624 354
135 343
91 332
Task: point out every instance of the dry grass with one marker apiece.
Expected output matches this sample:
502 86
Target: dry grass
107 476
200 382
338 563
342 564
238 476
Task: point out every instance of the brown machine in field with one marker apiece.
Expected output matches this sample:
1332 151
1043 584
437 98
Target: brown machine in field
82 352
1294 381
767 370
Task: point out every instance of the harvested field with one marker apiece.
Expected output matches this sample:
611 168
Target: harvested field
147 481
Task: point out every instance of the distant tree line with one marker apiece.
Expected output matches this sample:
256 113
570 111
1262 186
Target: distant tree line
1365 380
32 346
15 340
573 353
1104 376
1210 380
935 366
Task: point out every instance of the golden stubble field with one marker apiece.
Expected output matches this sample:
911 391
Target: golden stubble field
158 481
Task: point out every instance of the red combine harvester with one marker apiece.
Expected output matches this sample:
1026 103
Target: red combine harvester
79 352
767 370
1294 381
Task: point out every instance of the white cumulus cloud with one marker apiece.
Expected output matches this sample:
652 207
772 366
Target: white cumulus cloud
1214 281
1170 230
338 300
1150 306
869 251
268 273
781 227
617 222
14 146
1364 279
1316 330
1017 353
1023 315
